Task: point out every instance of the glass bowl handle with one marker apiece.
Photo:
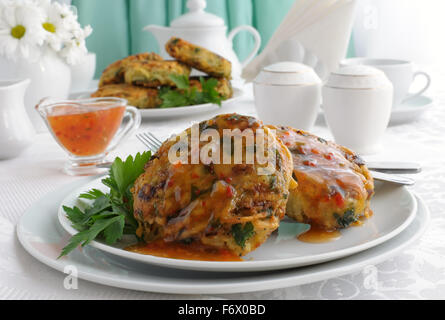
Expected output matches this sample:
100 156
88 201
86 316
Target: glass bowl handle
133 124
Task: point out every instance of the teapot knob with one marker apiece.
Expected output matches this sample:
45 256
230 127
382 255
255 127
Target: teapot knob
196 5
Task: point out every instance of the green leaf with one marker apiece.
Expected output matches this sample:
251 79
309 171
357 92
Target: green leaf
242 233
74 214
184 95
209 90
100 204
115 230
125 173
111 214
346 219
172 98
182 82
92 194
74 242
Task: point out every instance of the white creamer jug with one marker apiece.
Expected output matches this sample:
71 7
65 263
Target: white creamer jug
16 130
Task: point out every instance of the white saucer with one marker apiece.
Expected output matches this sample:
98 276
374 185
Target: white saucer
40 234
406 112
410 110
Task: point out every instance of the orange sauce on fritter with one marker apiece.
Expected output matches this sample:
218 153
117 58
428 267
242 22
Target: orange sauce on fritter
178 250
317 235
85 132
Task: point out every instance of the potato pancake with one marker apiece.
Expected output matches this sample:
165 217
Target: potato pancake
139 97
154 73
199 58
334 185
114 73
232 206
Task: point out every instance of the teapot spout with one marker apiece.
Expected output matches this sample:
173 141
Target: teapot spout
160 32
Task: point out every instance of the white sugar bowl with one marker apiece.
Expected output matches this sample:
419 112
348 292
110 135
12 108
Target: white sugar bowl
288 94
357 102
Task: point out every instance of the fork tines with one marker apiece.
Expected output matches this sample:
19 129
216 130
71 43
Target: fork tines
149 140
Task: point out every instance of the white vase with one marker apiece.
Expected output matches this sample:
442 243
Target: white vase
82 74
50 77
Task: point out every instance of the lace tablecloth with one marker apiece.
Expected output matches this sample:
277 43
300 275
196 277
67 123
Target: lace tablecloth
417 273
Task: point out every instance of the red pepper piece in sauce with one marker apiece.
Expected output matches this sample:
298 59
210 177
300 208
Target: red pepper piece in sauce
329 156
229 191
195 175
339 200
309 163
315 151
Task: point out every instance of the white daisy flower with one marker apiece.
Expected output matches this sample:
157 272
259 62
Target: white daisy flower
21 31
75 49
58 23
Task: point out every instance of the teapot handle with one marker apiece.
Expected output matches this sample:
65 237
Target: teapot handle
256 36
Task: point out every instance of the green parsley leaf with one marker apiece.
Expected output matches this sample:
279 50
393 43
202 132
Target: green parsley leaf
92 194
115 229
185 95
109 215
182 82
347 219
242 233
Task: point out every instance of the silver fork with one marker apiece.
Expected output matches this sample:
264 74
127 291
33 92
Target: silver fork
149 140
153 143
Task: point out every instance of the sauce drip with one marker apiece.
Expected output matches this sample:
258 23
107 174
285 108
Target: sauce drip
178 250
85 132
317 235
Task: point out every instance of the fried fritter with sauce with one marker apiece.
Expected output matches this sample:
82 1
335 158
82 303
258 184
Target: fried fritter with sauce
139 97
228 206
199 58
334 185
154 73
224 87
114 73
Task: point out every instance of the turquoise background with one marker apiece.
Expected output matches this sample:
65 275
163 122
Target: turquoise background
117 24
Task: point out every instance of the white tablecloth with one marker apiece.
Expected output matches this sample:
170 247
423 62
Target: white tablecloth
418 272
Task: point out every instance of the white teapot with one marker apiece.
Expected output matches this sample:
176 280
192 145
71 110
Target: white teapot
208 31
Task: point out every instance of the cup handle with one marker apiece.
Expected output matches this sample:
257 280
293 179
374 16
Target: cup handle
133 124
256 36
428 82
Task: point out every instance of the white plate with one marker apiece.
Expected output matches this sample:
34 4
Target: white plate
164 113
40 234
394 208
406 112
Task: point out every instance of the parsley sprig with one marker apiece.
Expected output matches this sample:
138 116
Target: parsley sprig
186 95
110 215
242 233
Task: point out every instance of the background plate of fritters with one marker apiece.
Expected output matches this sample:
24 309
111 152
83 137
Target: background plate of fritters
394 209
164 113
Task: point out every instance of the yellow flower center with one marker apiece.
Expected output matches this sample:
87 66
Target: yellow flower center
18 31
48 26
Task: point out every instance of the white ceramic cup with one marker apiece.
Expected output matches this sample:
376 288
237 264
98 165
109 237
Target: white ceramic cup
400 72
357 103
288 94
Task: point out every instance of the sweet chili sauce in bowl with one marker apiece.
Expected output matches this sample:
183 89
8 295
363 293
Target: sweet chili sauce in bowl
85 132
88 129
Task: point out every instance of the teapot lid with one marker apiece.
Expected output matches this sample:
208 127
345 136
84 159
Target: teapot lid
197 17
